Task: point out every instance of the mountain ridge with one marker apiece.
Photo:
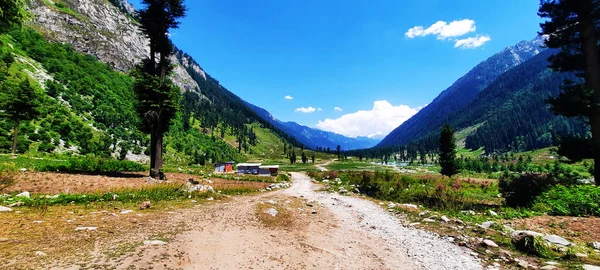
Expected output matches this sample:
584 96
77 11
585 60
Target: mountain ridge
462 91
314 138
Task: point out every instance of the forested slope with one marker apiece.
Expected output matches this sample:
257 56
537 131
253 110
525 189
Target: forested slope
461 92
511 113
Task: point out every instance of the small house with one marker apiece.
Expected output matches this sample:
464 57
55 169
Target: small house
224 167
268 170
248 168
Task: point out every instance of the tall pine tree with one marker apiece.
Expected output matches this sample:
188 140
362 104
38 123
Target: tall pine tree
20 101
158 97
448 151
574 28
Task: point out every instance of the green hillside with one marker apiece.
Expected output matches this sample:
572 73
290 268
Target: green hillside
87 108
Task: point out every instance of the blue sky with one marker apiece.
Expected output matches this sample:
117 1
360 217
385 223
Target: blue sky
348 54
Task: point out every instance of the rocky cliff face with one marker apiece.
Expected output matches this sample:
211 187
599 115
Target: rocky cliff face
99 28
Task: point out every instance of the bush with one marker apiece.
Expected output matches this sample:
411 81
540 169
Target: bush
535 246
283 177
522 190
93 165
582 200
7 179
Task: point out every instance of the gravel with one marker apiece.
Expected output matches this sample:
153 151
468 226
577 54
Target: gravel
425 250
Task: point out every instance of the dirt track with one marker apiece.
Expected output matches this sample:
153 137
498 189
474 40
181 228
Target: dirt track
333 232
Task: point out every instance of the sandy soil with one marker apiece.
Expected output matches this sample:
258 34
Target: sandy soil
328 231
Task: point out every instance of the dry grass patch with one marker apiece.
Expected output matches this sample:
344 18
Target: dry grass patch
51 230
55 183
286 215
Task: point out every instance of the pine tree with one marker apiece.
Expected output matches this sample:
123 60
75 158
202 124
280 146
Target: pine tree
338 151
448 151
304 158
158 97
20 102
574 27
313 158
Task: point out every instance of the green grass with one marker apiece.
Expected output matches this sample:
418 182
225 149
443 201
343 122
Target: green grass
154 193
54 163
7 163
354 165
60 6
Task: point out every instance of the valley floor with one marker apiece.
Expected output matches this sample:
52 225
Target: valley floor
311 230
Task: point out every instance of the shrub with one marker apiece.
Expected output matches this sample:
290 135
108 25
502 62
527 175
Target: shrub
282 177
582 200
522 190
93 165
534 245
7 179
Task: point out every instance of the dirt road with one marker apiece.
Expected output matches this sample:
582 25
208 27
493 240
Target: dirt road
323 231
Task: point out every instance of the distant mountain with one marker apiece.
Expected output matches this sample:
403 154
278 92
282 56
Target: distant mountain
313 138
462 92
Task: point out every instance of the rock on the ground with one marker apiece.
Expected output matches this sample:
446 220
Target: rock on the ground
518 235
445 219
40 254
86 229
493 213
272 211
548 267
468 212
409 206
24 194
125 212
145 205
487 224
590 267
596 245
5 209
581 255
557 240
209 198
423 213
489 243
154 243
428 220
272 202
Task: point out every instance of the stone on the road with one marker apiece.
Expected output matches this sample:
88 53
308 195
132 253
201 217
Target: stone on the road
40 254
154 243
86 229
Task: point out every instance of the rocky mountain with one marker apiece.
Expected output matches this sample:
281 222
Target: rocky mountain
100 29
314 138
462 92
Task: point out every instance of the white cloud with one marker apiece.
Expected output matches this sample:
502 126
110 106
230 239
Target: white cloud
381 120
305 110
338 109
443 30
288 97
472 42
319 109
